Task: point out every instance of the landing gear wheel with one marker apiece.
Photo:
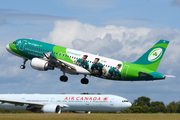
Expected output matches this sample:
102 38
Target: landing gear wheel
22 66
24 62
84 81
63 78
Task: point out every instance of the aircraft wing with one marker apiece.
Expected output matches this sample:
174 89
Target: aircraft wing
59 63
22 102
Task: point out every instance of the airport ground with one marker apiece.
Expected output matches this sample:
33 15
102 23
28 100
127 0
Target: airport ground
92 116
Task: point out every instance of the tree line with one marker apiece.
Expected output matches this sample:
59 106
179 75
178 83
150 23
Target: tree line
143 105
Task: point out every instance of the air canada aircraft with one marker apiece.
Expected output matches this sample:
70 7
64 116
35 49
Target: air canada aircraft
55 103
45 56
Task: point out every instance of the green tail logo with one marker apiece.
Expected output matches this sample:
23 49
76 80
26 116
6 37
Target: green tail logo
153 56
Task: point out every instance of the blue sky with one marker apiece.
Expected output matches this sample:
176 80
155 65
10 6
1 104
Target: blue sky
119 29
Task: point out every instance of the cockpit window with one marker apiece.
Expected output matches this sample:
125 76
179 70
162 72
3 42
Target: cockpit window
14 42
124 100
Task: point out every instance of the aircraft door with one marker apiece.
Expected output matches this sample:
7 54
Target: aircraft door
52 100
112 102
22 44
125 70
87 102
87 105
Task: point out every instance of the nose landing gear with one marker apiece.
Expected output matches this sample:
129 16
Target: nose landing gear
24 62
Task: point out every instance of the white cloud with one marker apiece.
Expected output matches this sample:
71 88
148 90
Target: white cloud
66 31
126 42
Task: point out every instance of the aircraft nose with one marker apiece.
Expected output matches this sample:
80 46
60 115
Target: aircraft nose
7 47
128 105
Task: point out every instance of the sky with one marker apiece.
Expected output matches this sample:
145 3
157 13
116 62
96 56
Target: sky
118 29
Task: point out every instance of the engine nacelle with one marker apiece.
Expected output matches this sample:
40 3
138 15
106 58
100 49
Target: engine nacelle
41 65
51 108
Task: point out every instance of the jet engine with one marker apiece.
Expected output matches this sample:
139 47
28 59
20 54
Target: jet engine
41 65
51 108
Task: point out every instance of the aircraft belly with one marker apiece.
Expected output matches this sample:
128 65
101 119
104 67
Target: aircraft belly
91 107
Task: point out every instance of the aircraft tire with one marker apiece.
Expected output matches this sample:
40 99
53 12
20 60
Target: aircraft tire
84 81
22 66
63 78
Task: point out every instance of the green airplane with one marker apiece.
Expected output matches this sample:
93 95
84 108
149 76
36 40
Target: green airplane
45 56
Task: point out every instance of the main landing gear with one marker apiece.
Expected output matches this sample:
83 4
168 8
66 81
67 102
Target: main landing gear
84 80
24 62
63 78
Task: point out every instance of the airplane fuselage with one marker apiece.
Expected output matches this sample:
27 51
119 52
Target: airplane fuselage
72 61
67 102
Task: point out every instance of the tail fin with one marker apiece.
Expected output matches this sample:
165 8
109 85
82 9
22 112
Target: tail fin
153 56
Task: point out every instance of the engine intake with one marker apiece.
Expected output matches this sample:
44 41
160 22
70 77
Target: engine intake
40 64
51 108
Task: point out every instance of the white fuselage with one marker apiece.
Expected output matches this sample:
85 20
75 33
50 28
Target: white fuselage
72 102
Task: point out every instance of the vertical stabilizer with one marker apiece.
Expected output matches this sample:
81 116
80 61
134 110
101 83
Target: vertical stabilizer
153 56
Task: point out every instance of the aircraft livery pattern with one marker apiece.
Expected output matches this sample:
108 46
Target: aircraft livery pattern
97 66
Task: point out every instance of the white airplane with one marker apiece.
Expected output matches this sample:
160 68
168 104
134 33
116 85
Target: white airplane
55 103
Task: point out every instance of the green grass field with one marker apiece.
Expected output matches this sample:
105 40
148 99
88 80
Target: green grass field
92 116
